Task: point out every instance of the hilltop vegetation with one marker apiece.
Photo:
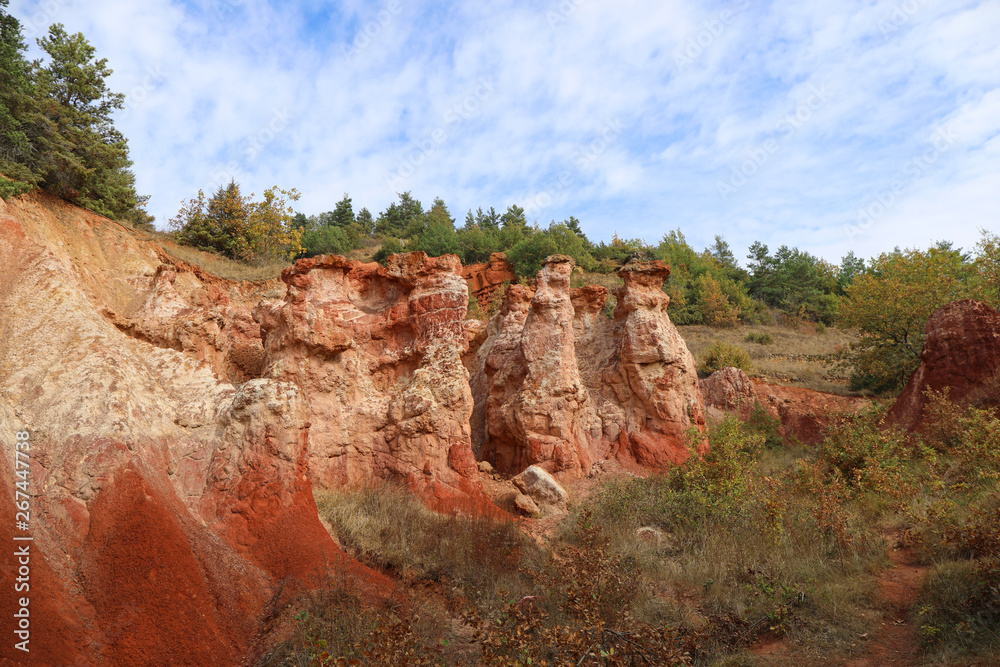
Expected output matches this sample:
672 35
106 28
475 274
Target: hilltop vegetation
887 298
56 130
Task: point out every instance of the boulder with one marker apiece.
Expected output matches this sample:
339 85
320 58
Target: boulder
541 486
961 353
525 505
729 390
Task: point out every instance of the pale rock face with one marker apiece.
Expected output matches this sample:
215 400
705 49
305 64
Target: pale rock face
564 386
378 354
659 372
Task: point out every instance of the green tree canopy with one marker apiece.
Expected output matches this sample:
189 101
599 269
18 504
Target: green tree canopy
890 305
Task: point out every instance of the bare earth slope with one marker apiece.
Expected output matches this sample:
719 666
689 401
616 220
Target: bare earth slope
170 511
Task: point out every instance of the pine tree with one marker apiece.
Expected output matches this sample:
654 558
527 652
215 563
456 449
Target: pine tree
16 100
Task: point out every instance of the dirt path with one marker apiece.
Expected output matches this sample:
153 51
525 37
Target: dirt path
896 643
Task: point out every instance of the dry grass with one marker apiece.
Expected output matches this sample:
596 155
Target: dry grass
390 529
744 546
609 280
218 266
800 357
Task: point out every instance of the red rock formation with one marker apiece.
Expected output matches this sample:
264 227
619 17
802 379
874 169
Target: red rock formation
538 410
804 414
167 508
660 380
961 353
378 354
729 390
565 386
485 279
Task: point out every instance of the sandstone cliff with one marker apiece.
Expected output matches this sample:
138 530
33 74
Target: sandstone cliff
179 422
170 510
378 354
563 386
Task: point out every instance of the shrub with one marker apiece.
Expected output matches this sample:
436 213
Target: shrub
390 246
765 424
585 618
723 355
759 337
327 241
864 454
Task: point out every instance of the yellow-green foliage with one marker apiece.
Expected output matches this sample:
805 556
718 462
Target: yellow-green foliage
722 355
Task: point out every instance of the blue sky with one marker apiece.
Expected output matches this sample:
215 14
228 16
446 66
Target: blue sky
859 125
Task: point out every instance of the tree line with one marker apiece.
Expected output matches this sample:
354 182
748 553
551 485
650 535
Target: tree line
56 129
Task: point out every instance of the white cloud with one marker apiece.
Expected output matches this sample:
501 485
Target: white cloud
209 82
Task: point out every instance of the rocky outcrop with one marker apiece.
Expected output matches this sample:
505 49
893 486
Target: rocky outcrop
171 512
659 388
541 487
804 414
486 279
961 353
185 312
377 353
538 410
565 386
729 390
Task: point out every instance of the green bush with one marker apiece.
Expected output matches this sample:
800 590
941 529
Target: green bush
390 246
327 241
723 355
760 337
